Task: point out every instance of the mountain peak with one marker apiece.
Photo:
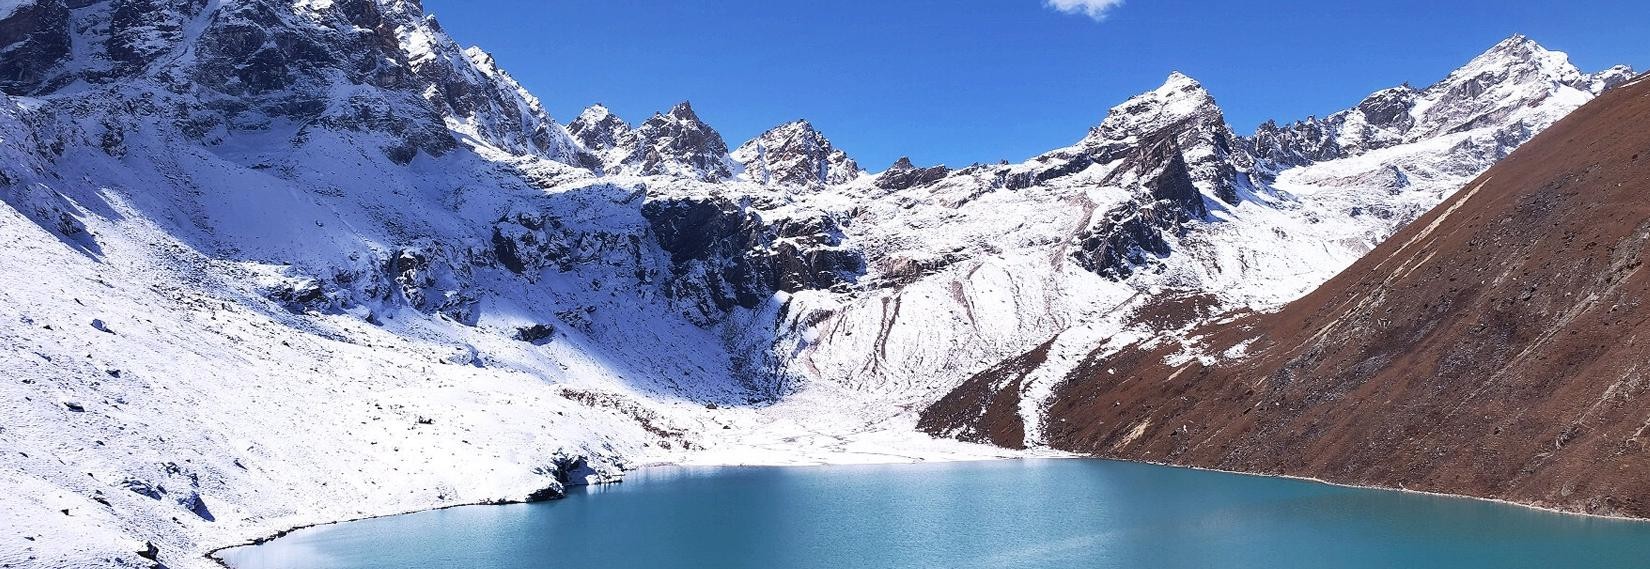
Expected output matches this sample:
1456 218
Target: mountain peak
1508 79
1180 99
683 111
1517 42
905 174
795 153
1178 80
1519 51
679 144
599 130
595 113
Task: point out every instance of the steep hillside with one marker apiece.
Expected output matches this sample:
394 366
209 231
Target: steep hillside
1491 348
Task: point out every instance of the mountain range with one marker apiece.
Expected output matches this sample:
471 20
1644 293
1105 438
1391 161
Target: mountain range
277 263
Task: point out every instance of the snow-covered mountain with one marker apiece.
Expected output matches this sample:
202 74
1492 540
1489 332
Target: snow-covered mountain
1479 351
795 154
675 144
1504 87
279 262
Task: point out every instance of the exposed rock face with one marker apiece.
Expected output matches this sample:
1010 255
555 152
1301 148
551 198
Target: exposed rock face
1180 113
250 62
1479 351
1516 74
479 99
963 413
903 174
795 154
604 133
429 278
725 256
1170 148
1135 234
677 143
528 241
432 281
34 38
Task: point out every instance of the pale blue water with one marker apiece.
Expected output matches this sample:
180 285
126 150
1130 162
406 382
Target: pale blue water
1019 514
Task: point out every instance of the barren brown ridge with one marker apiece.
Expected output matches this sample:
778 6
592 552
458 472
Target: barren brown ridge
1497 347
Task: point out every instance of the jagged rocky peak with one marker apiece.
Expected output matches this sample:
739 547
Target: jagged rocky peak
678 144
1516 73
1182 115
1610 78
481 102
1380 120
1136 235
1179 103
600 130
795 154
325 63
903 174
1506 86
1172 150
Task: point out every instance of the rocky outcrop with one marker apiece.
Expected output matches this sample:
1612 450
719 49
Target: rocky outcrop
678 144
1493 89
1137 233
795 154
529 240
903 174
1180 112
34 38
724 255
675 144
604 133
432 281
976 410
429 278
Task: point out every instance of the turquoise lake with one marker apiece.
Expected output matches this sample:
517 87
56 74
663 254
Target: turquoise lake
1019 514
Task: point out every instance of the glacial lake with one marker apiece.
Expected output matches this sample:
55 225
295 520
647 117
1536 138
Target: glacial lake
1009 514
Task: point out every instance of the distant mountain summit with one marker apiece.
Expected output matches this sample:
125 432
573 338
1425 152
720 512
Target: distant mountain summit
1505 86
675 144
795 154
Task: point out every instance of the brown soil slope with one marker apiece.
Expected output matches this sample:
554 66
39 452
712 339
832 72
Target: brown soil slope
1498 347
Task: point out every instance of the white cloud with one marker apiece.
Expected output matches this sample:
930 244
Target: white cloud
1095 9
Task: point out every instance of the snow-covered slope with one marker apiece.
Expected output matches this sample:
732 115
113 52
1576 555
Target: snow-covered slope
305 261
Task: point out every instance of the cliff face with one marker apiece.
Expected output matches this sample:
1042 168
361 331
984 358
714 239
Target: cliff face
1496 347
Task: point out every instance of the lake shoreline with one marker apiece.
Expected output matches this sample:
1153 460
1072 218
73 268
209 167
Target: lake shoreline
1502 501
213 554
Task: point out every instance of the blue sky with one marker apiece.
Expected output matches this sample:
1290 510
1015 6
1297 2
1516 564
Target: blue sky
961 81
